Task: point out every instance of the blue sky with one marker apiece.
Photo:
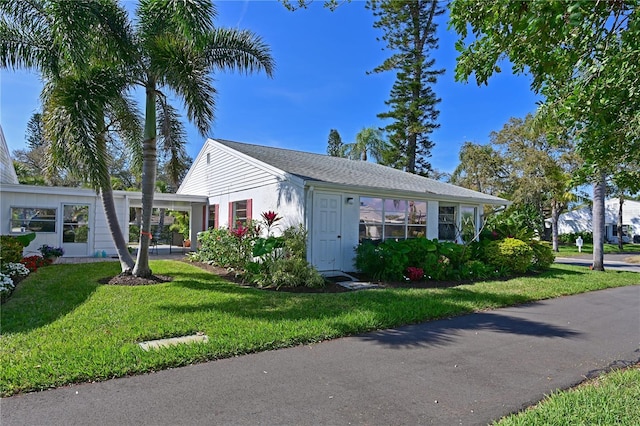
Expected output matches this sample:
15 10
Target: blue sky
320 83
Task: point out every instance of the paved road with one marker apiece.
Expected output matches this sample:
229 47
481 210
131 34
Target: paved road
467 370
612 262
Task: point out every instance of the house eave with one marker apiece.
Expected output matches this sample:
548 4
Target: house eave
388 193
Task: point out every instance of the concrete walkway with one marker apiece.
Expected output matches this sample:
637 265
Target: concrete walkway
467 370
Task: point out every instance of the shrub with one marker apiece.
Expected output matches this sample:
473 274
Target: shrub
509 254
476 270
226 248
543 256
6 286
289 272
570 239
15 270
10 249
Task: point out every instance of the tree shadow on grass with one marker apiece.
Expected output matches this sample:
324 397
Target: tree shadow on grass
51 293
379 308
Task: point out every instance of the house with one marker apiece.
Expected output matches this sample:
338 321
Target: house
340 202
580 220
73 218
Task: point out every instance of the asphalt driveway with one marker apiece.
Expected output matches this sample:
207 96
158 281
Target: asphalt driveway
466 370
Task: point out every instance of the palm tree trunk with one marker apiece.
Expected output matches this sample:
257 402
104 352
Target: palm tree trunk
149 165
555 215
599 190
126 261
109 206
620 223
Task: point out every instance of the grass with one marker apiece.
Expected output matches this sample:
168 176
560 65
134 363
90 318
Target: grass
607 400
61 326
567 250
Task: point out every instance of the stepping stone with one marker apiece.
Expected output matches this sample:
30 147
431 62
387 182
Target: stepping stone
357 285
163 343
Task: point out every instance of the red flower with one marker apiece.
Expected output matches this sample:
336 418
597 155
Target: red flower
34 262
270 217
414 273
240 232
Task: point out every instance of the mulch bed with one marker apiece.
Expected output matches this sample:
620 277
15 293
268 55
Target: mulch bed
130 280
330 287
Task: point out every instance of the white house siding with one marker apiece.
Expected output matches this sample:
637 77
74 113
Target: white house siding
227 172
7 172
285 198
43 197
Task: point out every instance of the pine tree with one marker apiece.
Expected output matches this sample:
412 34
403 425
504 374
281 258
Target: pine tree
335 147
410 31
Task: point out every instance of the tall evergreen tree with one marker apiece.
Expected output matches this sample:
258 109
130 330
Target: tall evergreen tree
335 147
410 31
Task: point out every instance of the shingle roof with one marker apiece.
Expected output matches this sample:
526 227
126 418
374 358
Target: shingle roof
342 171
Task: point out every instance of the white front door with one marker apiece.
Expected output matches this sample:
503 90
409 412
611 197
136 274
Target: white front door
327 249
75 229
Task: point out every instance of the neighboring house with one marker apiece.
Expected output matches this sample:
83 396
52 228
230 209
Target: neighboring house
73 218
7 171
339 201
580 220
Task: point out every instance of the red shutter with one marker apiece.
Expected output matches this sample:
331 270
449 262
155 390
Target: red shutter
231 224
249 210
216 212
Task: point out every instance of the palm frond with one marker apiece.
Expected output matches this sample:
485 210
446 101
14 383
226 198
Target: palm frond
172 139
186 19
181 67
237 50
126 120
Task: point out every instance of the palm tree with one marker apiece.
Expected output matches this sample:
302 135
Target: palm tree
73 45
178 49
368 141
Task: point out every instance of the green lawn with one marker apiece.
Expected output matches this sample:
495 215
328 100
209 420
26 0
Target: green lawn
567 250
60 326
611 399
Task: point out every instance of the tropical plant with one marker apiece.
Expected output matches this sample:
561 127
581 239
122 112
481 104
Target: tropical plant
10 249
78 48
369 141
178 48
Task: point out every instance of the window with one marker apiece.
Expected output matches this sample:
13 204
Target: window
76 223
25 219
417 219
468 223
447 223
214 212
240 212
387 218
